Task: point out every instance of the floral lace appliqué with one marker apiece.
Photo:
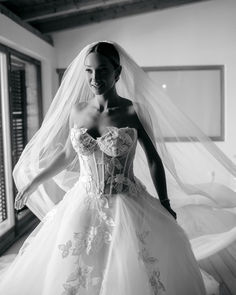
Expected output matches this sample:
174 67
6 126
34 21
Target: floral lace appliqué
80 278
65 248
85 243
116 141
151 265
82 142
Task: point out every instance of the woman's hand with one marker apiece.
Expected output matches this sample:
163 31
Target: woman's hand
166 204
23 195
172 212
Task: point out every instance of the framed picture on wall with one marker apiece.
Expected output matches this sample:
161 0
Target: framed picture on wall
198 91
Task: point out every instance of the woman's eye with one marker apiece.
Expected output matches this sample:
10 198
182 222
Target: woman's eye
99 71
103 70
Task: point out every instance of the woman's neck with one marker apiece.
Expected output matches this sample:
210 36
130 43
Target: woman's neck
107 100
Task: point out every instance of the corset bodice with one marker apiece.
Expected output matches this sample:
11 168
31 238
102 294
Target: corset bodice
106 163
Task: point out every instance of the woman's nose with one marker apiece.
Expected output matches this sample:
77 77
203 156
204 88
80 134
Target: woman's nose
95 75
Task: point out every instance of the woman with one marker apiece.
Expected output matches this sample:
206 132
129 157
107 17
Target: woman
108 235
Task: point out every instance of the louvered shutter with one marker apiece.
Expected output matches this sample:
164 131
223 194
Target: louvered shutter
18 110
3 207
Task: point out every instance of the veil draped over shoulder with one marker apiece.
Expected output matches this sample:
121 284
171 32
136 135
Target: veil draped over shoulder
205 206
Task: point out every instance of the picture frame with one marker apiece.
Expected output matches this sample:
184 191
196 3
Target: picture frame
198 91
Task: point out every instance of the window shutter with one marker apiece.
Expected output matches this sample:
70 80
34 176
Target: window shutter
18 109
3 207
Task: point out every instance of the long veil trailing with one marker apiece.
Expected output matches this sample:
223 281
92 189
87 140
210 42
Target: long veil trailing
205 205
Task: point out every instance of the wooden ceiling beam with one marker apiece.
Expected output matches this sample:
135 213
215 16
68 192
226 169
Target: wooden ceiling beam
41 11
70 20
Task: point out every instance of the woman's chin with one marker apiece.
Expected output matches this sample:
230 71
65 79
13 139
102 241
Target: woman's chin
98 91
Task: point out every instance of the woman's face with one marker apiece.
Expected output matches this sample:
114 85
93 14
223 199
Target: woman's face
100 73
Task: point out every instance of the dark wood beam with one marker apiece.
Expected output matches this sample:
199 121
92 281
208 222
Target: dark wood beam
52 7
16 19
70 20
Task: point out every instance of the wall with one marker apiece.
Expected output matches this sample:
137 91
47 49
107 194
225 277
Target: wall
197 34
16 37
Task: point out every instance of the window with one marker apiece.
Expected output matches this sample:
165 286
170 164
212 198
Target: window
20 118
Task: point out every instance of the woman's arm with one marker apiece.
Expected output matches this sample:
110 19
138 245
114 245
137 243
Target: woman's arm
155 166
59 163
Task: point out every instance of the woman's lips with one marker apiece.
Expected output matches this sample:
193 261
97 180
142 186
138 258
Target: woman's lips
97 85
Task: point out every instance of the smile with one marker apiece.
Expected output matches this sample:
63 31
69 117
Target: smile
97 85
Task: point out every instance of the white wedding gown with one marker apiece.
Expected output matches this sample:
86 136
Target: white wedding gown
108 235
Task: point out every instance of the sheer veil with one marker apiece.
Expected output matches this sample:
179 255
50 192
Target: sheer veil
198 172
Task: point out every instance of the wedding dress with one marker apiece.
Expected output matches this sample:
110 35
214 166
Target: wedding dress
108 235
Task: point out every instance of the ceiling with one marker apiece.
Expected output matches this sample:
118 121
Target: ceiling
46 16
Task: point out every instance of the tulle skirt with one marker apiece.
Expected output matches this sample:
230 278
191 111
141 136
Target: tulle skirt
88 244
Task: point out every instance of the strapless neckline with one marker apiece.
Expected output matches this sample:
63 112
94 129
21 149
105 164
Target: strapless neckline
84 130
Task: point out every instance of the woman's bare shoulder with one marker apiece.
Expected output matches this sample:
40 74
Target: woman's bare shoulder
78 107
125 102
130 106
127 109
126 105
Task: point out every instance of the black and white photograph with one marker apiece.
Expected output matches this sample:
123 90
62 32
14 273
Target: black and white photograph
117 147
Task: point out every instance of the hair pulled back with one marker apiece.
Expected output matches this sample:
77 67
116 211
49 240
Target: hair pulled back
109 51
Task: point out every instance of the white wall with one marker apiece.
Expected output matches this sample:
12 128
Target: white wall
197 34
16 37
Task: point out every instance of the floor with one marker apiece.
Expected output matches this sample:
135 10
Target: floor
16 246
10 254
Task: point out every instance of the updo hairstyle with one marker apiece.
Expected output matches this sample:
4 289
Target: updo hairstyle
109 51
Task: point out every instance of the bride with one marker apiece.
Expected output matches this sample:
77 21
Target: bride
108 234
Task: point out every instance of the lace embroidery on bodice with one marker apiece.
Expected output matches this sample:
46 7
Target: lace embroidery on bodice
106 163
115 142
